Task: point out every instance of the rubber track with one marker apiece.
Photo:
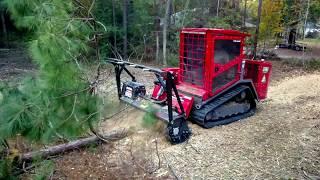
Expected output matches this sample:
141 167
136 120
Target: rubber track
198 115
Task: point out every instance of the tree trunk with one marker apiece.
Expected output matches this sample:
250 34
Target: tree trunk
157 29
257 29
218 7
244 15
4 28
114 25
184 14
170 13
235 4
165 29
58 149
213 7
125 29
306 19
157 47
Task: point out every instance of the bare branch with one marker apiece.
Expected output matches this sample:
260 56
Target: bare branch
54 150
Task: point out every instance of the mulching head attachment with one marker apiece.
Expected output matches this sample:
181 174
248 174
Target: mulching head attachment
178 131
134 93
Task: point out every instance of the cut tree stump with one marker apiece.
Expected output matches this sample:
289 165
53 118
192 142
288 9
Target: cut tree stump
58 149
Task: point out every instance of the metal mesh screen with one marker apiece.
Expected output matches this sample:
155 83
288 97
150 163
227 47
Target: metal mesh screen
193 58
224 78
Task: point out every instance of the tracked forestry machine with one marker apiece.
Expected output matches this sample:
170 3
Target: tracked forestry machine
213 85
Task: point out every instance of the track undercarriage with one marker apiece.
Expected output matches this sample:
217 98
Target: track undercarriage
235 104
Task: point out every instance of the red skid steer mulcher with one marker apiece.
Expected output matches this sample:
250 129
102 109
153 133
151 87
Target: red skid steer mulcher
213 85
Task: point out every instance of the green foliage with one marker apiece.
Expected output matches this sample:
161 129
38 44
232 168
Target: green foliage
218 22
149 119
271 19
43 170
103 14
56 103
313 64
140 26
228 19
6 169
293 12
173 48
314 11
173 60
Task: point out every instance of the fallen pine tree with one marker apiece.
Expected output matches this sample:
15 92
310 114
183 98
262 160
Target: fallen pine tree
80 143
13 164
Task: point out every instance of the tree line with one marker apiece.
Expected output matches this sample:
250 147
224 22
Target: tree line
138 29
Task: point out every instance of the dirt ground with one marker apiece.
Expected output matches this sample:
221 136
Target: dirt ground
281 141
312 51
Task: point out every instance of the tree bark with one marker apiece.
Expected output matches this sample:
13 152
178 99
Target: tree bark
257 29
4 28
236 5
58 149
125 29
165 29
244 15
306 19
184 14
114 25
157 47
213 7
157 29
218 7
170 13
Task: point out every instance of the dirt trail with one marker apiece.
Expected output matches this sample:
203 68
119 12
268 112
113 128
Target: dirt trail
281 141
312 52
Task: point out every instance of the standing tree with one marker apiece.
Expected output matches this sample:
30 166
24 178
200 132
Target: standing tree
157 29
4 25
306 19
257 29
125 29
57 102
214 8
244 16
165 29
114 24
271 20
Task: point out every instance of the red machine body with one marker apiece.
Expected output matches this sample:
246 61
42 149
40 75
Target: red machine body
198 53
259 72
211 60
214 84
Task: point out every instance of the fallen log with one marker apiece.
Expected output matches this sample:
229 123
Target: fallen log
61 148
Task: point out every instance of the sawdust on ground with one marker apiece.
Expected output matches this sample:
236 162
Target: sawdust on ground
281 141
